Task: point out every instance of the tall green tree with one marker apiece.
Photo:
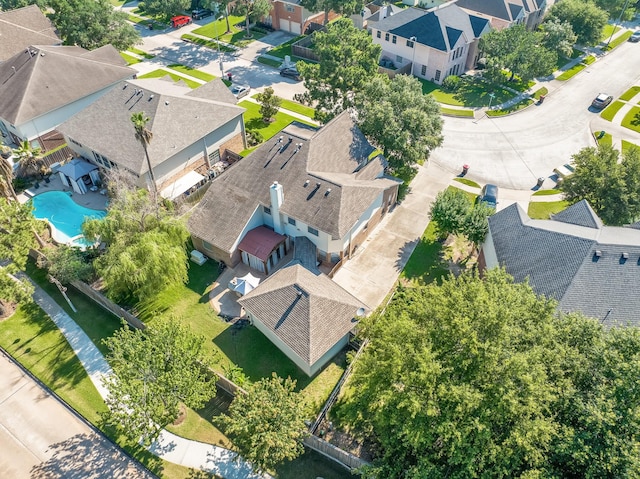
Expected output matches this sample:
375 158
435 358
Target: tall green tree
397 118
6 5
222 6
586 18
269 104
483 378
267 424
153 373
518 50
146 247
449 211
16 238
92 24
6 180
623 9
558 36
144 136
253 10
348 60
341 7
165 9
611 187
66 264
29 158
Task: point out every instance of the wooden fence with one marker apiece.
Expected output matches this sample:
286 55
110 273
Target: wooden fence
404 70
301 49
344 458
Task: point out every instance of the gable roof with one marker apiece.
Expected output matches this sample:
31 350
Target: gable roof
438 28
307 311
105 125
502 9
307 163
558 258
23 27
580 214
41 79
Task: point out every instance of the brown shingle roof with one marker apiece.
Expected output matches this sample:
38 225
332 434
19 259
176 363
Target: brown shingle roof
308 312
334 158
40 79
23 27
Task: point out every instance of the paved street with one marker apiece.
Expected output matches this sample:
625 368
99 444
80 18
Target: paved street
41 438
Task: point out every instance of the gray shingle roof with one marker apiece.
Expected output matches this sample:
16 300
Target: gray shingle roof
307 311
558 258
494 8
23 27
177 120
41 79
332 158
580 214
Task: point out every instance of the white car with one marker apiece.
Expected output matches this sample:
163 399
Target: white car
240 90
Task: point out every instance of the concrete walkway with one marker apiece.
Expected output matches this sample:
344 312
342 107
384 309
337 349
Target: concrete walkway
172 448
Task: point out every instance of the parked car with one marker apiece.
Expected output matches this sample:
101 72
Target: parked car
601 101
240 90
291 73
488 195
635 38
180 21
201 13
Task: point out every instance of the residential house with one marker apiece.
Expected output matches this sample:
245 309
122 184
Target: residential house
290 16
302 311
573 257
42 86
435 43
373 13
23 27
319 184
505 13
192 130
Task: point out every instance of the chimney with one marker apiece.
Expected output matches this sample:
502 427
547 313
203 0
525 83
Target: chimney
277 198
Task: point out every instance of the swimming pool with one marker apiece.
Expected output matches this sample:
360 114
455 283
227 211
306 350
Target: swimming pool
64 215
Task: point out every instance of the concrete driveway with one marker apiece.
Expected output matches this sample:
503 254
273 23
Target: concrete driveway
41 438
514 151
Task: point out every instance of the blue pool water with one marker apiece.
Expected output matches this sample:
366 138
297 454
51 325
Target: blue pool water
64 215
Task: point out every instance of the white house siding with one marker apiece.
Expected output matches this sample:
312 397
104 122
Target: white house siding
489 250
255 221
343 243
329 355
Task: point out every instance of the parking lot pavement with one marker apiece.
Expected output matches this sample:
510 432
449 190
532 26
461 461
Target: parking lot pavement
41 438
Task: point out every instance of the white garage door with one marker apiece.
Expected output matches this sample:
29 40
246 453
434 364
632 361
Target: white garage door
295 28
285 25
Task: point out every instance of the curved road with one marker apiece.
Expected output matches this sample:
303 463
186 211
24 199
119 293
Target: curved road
514 151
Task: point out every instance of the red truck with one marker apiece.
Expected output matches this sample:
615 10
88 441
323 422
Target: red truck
180 21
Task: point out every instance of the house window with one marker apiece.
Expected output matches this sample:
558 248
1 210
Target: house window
386 36
101 160
393 40
409 43
206 245
292 221
423 71
399 59
378 34
75 142
289 8
214 157
266 210
312 231
438 73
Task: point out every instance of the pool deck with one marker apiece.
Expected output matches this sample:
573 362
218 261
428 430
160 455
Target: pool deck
90 199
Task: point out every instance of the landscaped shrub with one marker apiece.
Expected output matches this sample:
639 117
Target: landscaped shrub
141 6
451 83
254 137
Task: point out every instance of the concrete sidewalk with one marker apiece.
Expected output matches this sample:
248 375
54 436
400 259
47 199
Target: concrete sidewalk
172 448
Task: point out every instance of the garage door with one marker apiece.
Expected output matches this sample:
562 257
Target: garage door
285 25
295 28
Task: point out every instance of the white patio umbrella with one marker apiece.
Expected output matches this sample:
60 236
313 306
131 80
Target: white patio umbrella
245 284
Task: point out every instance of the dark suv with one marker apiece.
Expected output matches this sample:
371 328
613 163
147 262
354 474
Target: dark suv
488 195
291 73
201 13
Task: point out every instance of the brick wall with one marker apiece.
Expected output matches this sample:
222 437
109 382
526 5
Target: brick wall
235 144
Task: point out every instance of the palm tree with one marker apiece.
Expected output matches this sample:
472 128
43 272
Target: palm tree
29 158
144 136
6 180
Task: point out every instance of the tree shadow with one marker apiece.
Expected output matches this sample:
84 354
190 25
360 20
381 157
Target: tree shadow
425 264
90 456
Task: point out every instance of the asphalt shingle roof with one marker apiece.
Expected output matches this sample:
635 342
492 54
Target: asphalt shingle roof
580 214
306 310
40 79
23 27
335 158
559 260
178 118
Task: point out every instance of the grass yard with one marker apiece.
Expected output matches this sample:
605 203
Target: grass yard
546 192
467 182
608 30
627 145
192 72
589 59
160 73
618 41
284 49
604 138
564 76
130 59
470 94
270 62
456 112
137 51
609 112
253 120
424 265
512 109
295 107
630 93
632 119
542 210
235 37
539 92
206 43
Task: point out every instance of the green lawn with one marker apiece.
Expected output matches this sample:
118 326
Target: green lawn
192 72
160 73
284 49
605 139
546 192
632 119
539 92
296 107
609 112
467 182
472 93
270 62
137 51
630 93
130 59
608 30
589 59
564 76
235 37
618 41
206 43
542 210
627 145
253 120
425 266
456 112
512 109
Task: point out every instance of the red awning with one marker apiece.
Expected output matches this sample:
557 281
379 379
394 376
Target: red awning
260 242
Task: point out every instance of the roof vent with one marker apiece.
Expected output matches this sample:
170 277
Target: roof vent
597 253
625 255
280 139
306 183
326 193
317 185
41 54
124 87
299 293
166 102
150 98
